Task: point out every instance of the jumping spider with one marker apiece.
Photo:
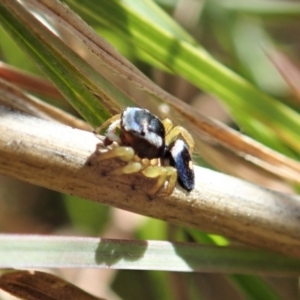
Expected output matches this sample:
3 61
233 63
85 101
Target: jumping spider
156 148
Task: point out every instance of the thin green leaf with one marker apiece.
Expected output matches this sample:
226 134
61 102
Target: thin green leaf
254 288
264 8
21 251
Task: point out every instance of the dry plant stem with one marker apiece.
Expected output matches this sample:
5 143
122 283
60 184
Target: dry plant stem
28 81
41 285
64 159
13 97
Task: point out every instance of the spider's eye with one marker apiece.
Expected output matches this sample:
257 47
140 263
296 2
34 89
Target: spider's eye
181 160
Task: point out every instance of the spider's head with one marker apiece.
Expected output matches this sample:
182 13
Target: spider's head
142 131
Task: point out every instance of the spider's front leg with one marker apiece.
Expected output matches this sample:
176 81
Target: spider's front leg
125 154
112 125
107 123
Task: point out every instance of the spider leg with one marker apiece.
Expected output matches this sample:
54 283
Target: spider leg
123 153
135 165
172 133
110 133
130 168
113 123
162 174
107 123
172 174
149 168
168 124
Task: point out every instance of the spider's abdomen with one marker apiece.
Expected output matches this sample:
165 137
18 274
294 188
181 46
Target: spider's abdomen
142 131
181 160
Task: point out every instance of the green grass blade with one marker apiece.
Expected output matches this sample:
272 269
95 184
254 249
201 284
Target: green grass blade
21 251
264 8
254 288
